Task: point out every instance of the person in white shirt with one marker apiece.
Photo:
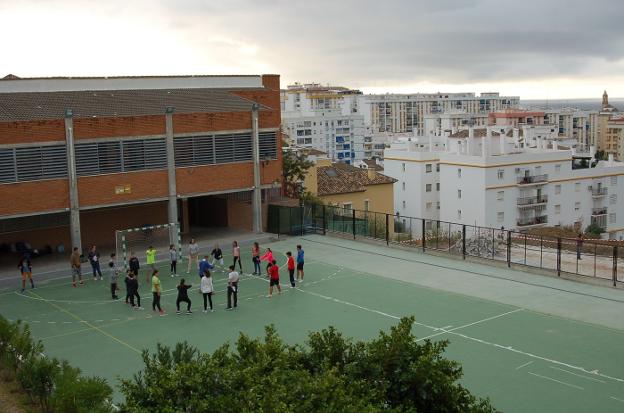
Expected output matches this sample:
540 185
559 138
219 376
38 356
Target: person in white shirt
207 290
232 290
193 254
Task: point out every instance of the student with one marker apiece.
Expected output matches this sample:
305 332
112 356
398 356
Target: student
204 265
207 290
217 255
94 259
75 266
193 254
183 297
114 275
150 256
134 265
291 269
232 290
255 257
173 256
300 262
156 292
268 257
25 267
274 278
127 283
236 255
133 290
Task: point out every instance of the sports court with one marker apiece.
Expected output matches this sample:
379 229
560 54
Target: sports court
529 342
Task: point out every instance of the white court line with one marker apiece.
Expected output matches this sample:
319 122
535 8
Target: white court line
578 375
556 381
524 365
444 331
615 398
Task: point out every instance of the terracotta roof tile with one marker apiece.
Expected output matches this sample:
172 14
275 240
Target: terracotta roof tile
341 178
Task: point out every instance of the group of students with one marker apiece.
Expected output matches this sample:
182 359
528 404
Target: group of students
204 266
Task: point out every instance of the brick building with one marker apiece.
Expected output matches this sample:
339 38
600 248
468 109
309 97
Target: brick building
82 157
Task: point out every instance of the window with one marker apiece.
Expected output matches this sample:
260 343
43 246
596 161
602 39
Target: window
403 167
612 199
612 218
438 205
557 189
403 204
613 180
437 186
500 216
428 188
437 167
557 209
347 207
459 214
429 205
500 195
501 174
366 205
577 206
459 194
577 187
428 168
459 172
557 168
403 186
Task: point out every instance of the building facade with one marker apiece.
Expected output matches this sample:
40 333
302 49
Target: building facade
81 158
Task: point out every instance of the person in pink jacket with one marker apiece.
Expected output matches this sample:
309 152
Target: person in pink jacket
268 257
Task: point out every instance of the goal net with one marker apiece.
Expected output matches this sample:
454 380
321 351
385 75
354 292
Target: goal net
138 240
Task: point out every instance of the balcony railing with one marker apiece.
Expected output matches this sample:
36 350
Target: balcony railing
533 179
532 200
599 211
596 192
524 222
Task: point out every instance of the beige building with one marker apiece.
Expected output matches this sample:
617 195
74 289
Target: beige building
610 122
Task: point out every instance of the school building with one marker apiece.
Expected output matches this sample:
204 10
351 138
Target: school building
83 157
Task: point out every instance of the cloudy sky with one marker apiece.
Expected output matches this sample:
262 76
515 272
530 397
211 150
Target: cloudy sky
535 49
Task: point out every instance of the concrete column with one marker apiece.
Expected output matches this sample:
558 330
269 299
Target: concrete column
172 207
257 191
74 204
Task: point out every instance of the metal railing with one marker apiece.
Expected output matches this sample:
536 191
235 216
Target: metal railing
532 179
583 257
599 211
532 200
522 222
599 191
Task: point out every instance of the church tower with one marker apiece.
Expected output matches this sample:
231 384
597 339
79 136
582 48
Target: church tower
605 100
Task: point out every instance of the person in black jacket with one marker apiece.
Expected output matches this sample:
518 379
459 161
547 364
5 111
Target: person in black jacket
183 297
94 259
133 263
132 284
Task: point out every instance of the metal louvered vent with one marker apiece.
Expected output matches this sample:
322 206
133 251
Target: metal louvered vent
210 150
120 156
268 145
40 162
7 165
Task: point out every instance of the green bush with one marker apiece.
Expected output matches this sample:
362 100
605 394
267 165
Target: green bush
332 373
594 229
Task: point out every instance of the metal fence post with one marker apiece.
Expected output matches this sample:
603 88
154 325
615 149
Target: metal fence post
464 241
508 249
324 221
423 235
353 221
558 257
615 258
387 230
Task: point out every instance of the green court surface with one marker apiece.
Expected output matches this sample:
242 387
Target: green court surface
530 343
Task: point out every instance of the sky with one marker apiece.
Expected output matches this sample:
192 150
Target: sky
548 49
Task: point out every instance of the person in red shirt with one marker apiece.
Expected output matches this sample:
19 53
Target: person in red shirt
291 269
274 275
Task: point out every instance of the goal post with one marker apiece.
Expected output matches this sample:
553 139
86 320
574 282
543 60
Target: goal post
141 238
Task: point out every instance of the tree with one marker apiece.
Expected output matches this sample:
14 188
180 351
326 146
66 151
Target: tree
594 229
332 373
295 166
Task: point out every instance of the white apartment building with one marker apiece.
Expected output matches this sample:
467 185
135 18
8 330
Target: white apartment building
517 179
325 118
453 120
407 112
580 125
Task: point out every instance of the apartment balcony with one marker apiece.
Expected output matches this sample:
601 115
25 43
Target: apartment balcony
533 180
599 211
532 221
532 201
599 192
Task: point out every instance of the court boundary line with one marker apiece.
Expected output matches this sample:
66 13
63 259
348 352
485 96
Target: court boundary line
556 381
445 331
471 272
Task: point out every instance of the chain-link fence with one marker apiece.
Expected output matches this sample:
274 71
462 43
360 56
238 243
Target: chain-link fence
583 257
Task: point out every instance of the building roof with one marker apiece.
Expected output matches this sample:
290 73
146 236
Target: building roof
340 178
25 106
478 133
372 164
